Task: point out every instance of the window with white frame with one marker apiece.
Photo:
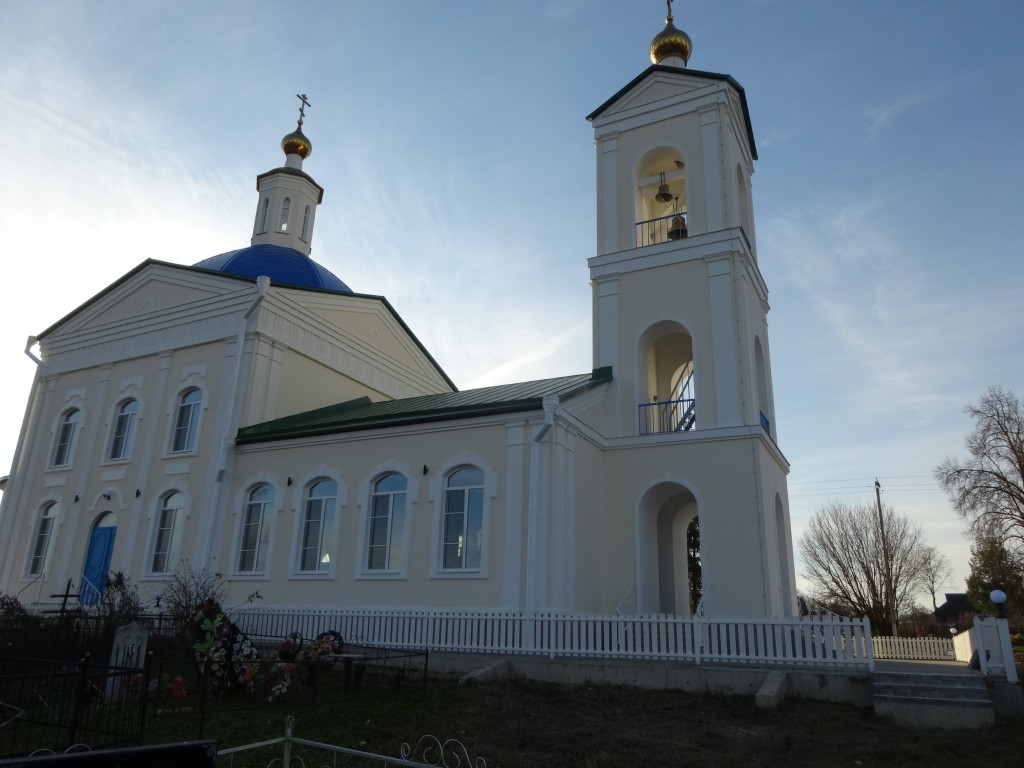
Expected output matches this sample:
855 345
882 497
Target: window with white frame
261 217
286 208
124 430
317 533
64 447
255 534
167 534
186 420
385 543
462 541
40 554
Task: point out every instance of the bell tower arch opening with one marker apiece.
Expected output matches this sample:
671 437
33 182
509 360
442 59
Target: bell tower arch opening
665 381
660 204
664 557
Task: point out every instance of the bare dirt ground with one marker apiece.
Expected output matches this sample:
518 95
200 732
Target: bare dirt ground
520 723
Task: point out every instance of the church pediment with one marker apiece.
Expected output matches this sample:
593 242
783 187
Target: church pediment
148 292
658 88
358 331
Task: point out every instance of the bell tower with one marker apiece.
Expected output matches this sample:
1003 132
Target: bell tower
679 303
680 314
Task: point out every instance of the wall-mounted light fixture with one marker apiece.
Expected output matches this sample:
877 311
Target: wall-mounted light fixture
289 481
425 470
138 493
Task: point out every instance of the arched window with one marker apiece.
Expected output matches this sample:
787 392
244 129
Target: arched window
124 429
318 527
462 540
286 208
167 534
255 536
261 217
305 224
40 555
186 420
387 524
65 445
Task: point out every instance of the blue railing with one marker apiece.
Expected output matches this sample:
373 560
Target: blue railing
668 416
660 230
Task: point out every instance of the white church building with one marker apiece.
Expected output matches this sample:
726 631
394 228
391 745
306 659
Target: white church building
254 416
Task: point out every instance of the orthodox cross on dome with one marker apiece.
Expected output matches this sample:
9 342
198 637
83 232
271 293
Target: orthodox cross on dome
669 4
305 103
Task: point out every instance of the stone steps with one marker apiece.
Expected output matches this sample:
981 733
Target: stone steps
933 700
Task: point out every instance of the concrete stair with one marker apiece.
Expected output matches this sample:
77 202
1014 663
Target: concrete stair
933 700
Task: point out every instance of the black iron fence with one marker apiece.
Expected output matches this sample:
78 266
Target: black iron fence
56 704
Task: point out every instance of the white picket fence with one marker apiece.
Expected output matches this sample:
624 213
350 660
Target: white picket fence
819 640
916 648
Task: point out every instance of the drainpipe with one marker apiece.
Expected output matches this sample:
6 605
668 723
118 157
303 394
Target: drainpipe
534 538
32 341
262 284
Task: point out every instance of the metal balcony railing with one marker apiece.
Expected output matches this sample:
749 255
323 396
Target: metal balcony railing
661 230
668 416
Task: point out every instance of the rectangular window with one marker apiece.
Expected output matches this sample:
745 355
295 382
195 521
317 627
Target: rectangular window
255 531
162 542
38 560
317 532
463 527
120 442
186 421
66 438
166 544
387 522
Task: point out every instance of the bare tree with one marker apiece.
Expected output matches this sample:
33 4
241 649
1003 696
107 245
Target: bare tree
842 550
987 488
934 573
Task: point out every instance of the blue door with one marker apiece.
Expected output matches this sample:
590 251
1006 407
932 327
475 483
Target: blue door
97 563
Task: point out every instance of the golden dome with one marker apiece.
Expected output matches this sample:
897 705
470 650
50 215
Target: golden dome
296 143
671 42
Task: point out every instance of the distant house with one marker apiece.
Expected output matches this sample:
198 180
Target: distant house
956 605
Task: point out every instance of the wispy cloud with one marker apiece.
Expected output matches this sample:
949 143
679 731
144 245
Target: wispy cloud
881 116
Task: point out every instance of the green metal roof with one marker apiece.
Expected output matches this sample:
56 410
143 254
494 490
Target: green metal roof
362 414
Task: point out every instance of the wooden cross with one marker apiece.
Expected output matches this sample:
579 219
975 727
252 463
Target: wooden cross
305 103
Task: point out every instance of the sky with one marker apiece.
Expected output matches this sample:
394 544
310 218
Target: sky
451 139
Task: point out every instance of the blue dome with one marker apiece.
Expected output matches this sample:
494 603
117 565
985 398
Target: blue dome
281 265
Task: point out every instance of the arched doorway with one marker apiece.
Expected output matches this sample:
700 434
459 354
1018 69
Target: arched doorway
97 558
663 555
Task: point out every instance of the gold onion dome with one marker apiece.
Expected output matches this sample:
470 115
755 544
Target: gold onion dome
671 41
296 143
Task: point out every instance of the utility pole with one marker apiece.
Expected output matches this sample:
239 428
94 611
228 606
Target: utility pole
888 560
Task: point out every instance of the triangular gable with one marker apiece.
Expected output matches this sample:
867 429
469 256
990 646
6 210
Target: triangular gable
659 82
370 324
152 287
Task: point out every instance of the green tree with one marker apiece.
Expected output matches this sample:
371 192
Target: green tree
993 566
987 488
